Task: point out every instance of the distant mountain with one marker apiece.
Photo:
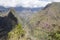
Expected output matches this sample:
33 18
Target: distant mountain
20 9
2 8
31 9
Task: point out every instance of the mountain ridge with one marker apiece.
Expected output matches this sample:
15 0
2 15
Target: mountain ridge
43 25
20 8
46 20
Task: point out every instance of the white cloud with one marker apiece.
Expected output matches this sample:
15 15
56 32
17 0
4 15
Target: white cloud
32 3
56 0
24 3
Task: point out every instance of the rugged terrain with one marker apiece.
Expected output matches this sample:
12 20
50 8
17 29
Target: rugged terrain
42 25
46 23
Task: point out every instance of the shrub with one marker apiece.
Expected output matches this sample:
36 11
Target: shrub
16 33
55 35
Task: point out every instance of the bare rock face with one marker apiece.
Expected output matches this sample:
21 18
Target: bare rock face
7 23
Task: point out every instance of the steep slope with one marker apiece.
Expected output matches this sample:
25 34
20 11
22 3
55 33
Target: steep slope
10 26
43 25
46 21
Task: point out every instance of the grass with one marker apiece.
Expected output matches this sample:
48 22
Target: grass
16 33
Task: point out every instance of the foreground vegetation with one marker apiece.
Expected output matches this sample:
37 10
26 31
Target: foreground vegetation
16 33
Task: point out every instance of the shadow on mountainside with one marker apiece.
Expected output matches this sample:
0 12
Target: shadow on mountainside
7 23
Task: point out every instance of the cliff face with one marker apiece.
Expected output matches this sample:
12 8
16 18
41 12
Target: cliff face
7 23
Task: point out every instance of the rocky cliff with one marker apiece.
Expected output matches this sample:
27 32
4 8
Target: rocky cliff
8 22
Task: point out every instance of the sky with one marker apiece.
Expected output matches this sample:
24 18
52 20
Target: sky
26 3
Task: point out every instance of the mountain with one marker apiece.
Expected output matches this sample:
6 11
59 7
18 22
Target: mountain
3 9
10 25
46 23
41 25
21 9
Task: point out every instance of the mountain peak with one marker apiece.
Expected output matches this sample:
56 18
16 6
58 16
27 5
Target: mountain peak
56 4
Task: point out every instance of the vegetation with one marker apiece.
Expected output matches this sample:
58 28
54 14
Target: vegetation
16 33
55 33
43 25
46 23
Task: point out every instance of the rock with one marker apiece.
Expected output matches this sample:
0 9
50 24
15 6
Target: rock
7 23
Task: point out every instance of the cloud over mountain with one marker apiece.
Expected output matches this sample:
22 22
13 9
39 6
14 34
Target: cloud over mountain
56 0
24 3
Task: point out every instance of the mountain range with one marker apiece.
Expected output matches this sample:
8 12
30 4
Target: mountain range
41 25
21 8
46 23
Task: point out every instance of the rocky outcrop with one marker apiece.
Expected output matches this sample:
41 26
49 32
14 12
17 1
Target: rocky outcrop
7 23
